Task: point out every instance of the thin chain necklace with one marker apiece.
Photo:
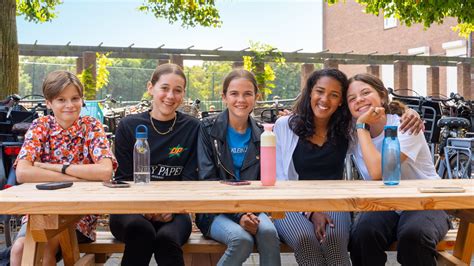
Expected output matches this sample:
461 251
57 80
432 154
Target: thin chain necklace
163 133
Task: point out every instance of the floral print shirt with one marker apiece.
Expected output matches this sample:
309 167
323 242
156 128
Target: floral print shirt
82 143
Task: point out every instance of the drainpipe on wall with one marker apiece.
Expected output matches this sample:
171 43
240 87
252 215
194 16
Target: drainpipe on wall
469 45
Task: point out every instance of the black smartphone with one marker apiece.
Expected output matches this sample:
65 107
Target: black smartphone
116 183
235 182
53 185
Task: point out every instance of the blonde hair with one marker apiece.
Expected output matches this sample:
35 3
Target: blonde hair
56 81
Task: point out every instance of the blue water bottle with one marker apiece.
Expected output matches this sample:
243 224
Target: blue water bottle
141 156
391 157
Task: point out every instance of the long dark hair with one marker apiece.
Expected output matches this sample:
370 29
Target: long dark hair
393 107
302 121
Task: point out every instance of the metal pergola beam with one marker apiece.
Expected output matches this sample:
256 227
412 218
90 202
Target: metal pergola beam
227 55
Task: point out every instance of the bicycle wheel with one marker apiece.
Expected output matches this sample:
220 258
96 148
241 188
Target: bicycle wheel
460 166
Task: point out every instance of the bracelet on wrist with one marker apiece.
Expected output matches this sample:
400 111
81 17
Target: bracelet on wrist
363 126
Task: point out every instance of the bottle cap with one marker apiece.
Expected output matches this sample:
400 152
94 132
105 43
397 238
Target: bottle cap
268 127
390 131
143 134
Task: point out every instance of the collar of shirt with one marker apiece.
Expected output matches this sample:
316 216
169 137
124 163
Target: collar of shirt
75 130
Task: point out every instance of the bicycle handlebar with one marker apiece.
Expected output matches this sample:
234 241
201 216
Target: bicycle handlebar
453 96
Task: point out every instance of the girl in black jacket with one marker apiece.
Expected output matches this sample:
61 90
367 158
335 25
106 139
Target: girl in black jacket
229 149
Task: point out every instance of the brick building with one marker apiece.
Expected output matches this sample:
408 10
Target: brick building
347 29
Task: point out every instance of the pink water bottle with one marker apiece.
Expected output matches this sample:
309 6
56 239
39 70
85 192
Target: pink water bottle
268 156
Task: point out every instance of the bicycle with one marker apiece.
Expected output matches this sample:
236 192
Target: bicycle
15 120
444 119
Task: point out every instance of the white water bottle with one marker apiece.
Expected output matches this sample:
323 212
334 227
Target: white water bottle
141 156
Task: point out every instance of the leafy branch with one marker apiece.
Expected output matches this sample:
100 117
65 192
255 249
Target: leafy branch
263 72
190 12
91 85
425 12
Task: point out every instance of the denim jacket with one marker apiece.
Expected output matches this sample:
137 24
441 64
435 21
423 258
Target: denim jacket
215 159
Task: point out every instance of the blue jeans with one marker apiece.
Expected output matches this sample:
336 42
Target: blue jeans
240 242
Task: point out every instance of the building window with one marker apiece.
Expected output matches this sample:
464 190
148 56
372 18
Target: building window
390 22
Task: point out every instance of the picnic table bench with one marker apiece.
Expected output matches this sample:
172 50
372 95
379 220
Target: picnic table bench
203 251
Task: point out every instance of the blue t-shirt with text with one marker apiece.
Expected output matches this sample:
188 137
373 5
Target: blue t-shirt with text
238 144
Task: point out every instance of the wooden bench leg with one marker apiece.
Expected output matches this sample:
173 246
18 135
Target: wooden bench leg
101 257
447 259
69 247
32 250
464 241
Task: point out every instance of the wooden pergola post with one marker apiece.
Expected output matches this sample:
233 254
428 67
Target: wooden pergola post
373 70
163 61
177 59
400 77
306 70
237 64
331 63
432 81
464 80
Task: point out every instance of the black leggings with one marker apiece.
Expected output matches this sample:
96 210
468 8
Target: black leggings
143 238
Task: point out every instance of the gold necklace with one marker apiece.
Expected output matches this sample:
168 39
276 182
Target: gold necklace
163 133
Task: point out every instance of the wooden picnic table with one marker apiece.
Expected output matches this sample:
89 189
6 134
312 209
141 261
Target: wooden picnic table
54 212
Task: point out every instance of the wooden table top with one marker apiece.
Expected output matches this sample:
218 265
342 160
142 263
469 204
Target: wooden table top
208 196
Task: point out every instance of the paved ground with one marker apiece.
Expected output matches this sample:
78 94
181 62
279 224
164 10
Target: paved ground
286 259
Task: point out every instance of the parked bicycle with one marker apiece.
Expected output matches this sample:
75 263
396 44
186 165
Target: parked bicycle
15 120
444 119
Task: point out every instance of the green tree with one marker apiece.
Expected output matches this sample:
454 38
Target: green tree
93 86
189 12
264 73
205 82
425 12
25 83
287 80
128 78
37 67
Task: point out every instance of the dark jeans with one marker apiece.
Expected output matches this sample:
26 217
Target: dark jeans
417 233
144 238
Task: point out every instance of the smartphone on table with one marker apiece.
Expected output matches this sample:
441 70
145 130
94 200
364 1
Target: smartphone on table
234 182
441 189
53 185
116 184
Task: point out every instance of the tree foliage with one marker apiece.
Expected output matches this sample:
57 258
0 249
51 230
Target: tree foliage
425 12
287 80
37 10
128 78
265 75
33 70
205 82
190 12
103 73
